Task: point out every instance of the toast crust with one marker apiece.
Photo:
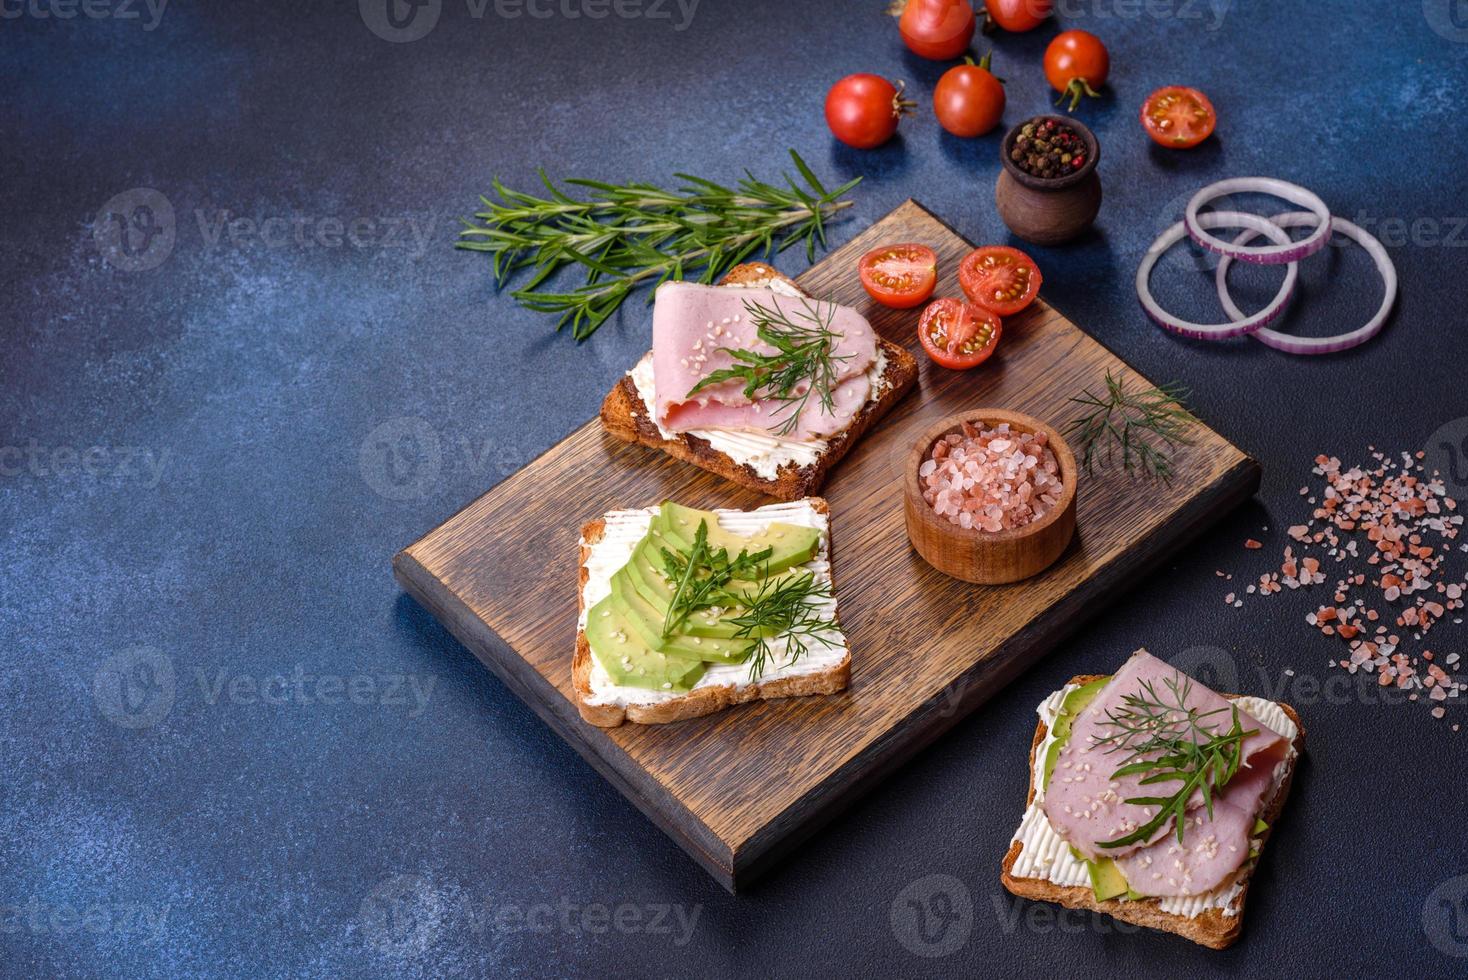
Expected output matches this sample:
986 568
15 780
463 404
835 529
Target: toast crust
624 415
1210 928
696 703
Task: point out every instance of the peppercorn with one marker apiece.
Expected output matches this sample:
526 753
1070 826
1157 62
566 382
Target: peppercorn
1047 149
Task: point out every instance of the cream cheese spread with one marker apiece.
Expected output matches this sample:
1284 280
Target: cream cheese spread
1046 855
625 528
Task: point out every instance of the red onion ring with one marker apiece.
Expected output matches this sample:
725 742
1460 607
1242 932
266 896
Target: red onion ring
1277 254
1215 331
1319 345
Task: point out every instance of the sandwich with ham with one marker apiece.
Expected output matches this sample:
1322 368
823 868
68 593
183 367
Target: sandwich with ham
1151 799
757 382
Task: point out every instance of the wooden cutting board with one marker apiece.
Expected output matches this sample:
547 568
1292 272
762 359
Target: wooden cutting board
740 788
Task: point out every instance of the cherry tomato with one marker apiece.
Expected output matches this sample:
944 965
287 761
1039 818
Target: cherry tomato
999 278
969 100
937 29
1018 15
899 276
1076 63
1178 116
863 110
958 335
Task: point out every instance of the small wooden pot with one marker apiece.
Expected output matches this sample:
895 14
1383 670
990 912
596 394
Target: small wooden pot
989 557
1049 212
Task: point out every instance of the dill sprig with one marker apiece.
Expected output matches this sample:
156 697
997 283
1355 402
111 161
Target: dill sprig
1146 424
701 574
784 609
629 235
804 362
1169 742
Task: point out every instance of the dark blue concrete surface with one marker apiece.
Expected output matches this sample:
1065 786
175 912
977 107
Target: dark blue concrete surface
230 747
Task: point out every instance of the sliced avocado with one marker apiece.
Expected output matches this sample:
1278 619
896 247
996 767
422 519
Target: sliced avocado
655 590
1075 702
745 589
653 586
647 624
789 544
1107 881
628 661
1259 827
1133 895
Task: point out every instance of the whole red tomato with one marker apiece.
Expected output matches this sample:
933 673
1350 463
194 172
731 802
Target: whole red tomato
863 110
937 29
1018 15
969 100
1076 63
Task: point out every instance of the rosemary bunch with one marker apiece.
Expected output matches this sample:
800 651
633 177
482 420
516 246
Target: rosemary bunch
803 363
785 609
629 235
701 575
1146 424
1167 741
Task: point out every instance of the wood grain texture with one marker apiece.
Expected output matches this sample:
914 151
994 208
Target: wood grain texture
740 788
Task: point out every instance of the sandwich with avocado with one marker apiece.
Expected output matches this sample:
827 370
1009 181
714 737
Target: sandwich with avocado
684 612
1151 799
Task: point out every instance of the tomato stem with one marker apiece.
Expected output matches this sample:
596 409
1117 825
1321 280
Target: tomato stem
1076 90
901 106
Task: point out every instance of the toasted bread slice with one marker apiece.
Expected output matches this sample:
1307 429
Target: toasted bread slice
700 701
1211 928
624 414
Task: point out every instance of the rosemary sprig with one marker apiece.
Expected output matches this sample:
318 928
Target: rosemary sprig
1167 741
629 235
1147 424
804 362
701 574
784 609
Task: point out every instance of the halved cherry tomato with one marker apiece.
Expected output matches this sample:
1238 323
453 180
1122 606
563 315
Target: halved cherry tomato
1179 117
958 335
1000 278
1018 15
1076 65
899 276
937 29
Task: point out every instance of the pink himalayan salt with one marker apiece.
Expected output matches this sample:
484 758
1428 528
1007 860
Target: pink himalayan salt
991 479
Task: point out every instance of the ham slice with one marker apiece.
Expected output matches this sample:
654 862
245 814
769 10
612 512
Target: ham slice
690 325
1211 850
1084 803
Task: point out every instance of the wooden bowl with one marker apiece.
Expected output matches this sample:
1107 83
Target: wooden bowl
989 557
1048 211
